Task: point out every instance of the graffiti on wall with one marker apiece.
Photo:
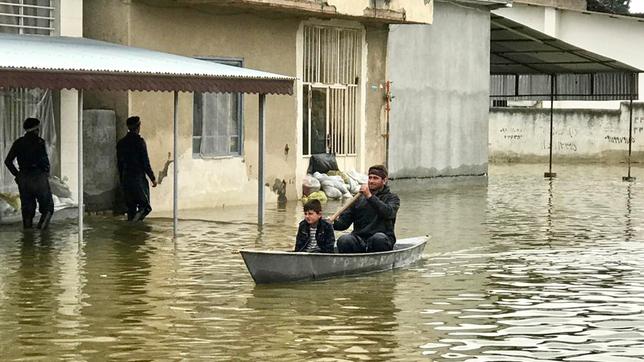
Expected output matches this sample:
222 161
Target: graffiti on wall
512 133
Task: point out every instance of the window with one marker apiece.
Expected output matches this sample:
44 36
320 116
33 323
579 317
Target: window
16 104
27 16
217 122
330 86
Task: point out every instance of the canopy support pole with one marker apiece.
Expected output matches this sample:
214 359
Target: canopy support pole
551 174
630 130
80 166
260 160
175 168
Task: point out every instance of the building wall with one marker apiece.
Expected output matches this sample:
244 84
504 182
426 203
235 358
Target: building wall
263 42
440 81
579 135
376 116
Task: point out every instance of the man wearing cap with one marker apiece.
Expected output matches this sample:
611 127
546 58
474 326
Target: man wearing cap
373 217
32 175
133 165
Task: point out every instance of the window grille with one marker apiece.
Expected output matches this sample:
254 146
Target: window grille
27 16
330 85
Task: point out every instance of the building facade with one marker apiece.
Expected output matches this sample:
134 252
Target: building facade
335 49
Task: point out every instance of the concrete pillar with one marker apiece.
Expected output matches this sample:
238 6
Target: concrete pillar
551 22
69 23
70 18
69 139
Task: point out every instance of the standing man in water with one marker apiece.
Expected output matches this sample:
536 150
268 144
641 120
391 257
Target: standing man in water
32 175
133 165
373 217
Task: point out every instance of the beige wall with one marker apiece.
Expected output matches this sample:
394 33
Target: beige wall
262 42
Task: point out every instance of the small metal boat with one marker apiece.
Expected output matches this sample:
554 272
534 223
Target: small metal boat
283 266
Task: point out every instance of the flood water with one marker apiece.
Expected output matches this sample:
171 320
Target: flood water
518 269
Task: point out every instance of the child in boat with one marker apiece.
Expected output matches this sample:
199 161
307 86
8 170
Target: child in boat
314 235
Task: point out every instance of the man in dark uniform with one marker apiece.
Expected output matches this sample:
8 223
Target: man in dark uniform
133 166
373 216
32 175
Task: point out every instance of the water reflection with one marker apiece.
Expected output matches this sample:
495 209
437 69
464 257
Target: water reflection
518 269
629 230
346 319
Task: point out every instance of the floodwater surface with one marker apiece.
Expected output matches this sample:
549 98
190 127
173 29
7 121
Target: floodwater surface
518 269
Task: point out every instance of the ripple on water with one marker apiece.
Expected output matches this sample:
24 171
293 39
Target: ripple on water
518 269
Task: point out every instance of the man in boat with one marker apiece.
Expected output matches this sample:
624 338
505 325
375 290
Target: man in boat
314 234
373 216
133 165
32 175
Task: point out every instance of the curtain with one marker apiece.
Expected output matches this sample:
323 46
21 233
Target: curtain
16 105
219 126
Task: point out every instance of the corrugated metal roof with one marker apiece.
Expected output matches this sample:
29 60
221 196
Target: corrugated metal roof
81 63
518 49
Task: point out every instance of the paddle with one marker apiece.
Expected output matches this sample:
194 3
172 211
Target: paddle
345 206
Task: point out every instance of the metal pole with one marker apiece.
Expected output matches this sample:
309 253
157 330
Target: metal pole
80 165
175 182
630 130
552 102
260 160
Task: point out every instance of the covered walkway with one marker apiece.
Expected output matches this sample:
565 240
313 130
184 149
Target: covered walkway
527 64
80 63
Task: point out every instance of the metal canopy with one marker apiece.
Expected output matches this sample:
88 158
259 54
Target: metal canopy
518 49
528 64
36 61
33 61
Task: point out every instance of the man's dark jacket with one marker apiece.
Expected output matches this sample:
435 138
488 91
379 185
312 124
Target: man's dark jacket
31 153
369 216
132 158
324 236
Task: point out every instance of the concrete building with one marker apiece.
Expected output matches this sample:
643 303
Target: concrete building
440 84
336 49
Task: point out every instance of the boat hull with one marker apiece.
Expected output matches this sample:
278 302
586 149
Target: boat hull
281 266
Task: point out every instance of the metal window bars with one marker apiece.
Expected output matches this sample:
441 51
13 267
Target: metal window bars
27 17
332 61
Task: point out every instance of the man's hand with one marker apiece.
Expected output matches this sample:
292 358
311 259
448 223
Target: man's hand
154 183
365 191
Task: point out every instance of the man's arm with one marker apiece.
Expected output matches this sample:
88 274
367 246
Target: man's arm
119 162
8 161
146 162
44 160
388 209
344 220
